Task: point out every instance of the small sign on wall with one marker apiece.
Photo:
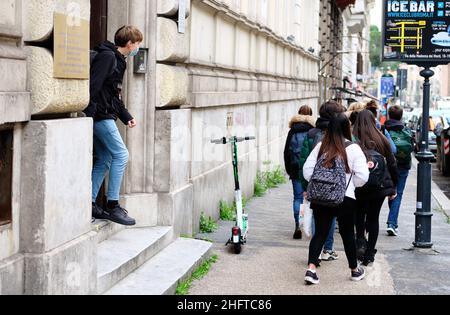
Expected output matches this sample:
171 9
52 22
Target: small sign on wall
71 47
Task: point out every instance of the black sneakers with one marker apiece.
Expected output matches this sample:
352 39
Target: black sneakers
369 257
361 247
311 277
97 212
359 274
119 215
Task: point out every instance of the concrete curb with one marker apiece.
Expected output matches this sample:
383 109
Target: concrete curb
440 198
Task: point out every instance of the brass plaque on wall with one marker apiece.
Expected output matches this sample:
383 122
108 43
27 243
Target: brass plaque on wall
71 47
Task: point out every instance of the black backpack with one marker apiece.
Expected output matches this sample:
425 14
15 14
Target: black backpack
93 54
377 167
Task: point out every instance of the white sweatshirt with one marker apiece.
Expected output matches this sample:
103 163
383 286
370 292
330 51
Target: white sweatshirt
356 161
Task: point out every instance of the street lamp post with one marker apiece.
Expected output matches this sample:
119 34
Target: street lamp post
423 213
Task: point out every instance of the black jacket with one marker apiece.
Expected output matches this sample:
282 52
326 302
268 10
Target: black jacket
300 125
107 71
397 125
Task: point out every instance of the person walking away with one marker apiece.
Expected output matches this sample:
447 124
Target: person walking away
403 141
326 112
334 169
382 183
108 67
299 127
373 107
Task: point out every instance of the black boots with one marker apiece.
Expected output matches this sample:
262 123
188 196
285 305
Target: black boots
298 232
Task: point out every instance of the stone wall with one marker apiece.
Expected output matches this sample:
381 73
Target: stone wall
240 63
14 109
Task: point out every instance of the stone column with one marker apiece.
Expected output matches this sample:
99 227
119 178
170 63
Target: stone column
14 110
56 207
56 165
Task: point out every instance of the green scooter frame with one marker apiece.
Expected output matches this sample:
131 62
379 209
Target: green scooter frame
240 231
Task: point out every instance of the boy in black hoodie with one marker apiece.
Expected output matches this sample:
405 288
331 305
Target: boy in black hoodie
404 142
105 107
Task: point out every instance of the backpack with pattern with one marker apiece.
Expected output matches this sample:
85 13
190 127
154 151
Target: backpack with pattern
328 186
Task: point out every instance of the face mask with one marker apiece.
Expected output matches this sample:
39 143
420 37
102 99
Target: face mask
134 52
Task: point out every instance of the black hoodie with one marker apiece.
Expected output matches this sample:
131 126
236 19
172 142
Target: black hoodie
107 71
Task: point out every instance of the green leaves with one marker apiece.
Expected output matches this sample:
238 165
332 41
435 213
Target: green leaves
207 225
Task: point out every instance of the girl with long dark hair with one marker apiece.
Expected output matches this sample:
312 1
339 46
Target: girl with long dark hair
337 145
383 183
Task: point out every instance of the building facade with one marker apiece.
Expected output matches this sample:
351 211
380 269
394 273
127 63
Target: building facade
356 44
232 68
344 39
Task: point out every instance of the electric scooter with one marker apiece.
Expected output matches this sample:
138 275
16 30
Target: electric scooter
240 230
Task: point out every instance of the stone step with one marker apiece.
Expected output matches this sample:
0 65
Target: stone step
106 229
162 274
126 251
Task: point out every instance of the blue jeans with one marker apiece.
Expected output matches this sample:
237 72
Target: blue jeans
298 198
394 205
111 155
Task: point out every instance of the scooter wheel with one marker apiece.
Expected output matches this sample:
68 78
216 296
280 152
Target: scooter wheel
237 249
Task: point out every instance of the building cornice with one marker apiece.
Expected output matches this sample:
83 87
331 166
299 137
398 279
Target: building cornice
255 27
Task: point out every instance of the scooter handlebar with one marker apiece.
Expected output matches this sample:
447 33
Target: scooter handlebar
219 141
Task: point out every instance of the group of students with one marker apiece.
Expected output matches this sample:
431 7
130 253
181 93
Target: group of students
346 164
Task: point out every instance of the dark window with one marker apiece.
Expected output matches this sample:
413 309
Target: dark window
99 22
6 166
360 64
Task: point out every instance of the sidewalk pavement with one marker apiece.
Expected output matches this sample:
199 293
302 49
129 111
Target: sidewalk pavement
272 263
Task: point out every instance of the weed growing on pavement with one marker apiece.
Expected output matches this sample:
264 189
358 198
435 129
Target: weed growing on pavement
260 187
275 178
227 211
184 287
207 225
268 180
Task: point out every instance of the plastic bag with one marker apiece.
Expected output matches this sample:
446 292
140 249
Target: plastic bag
307 215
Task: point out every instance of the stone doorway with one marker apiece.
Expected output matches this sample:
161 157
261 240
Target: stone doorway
99 33
6 170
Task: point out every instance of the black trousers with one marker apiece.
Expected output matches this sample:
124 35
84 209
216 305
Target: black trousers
368 220
323 217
